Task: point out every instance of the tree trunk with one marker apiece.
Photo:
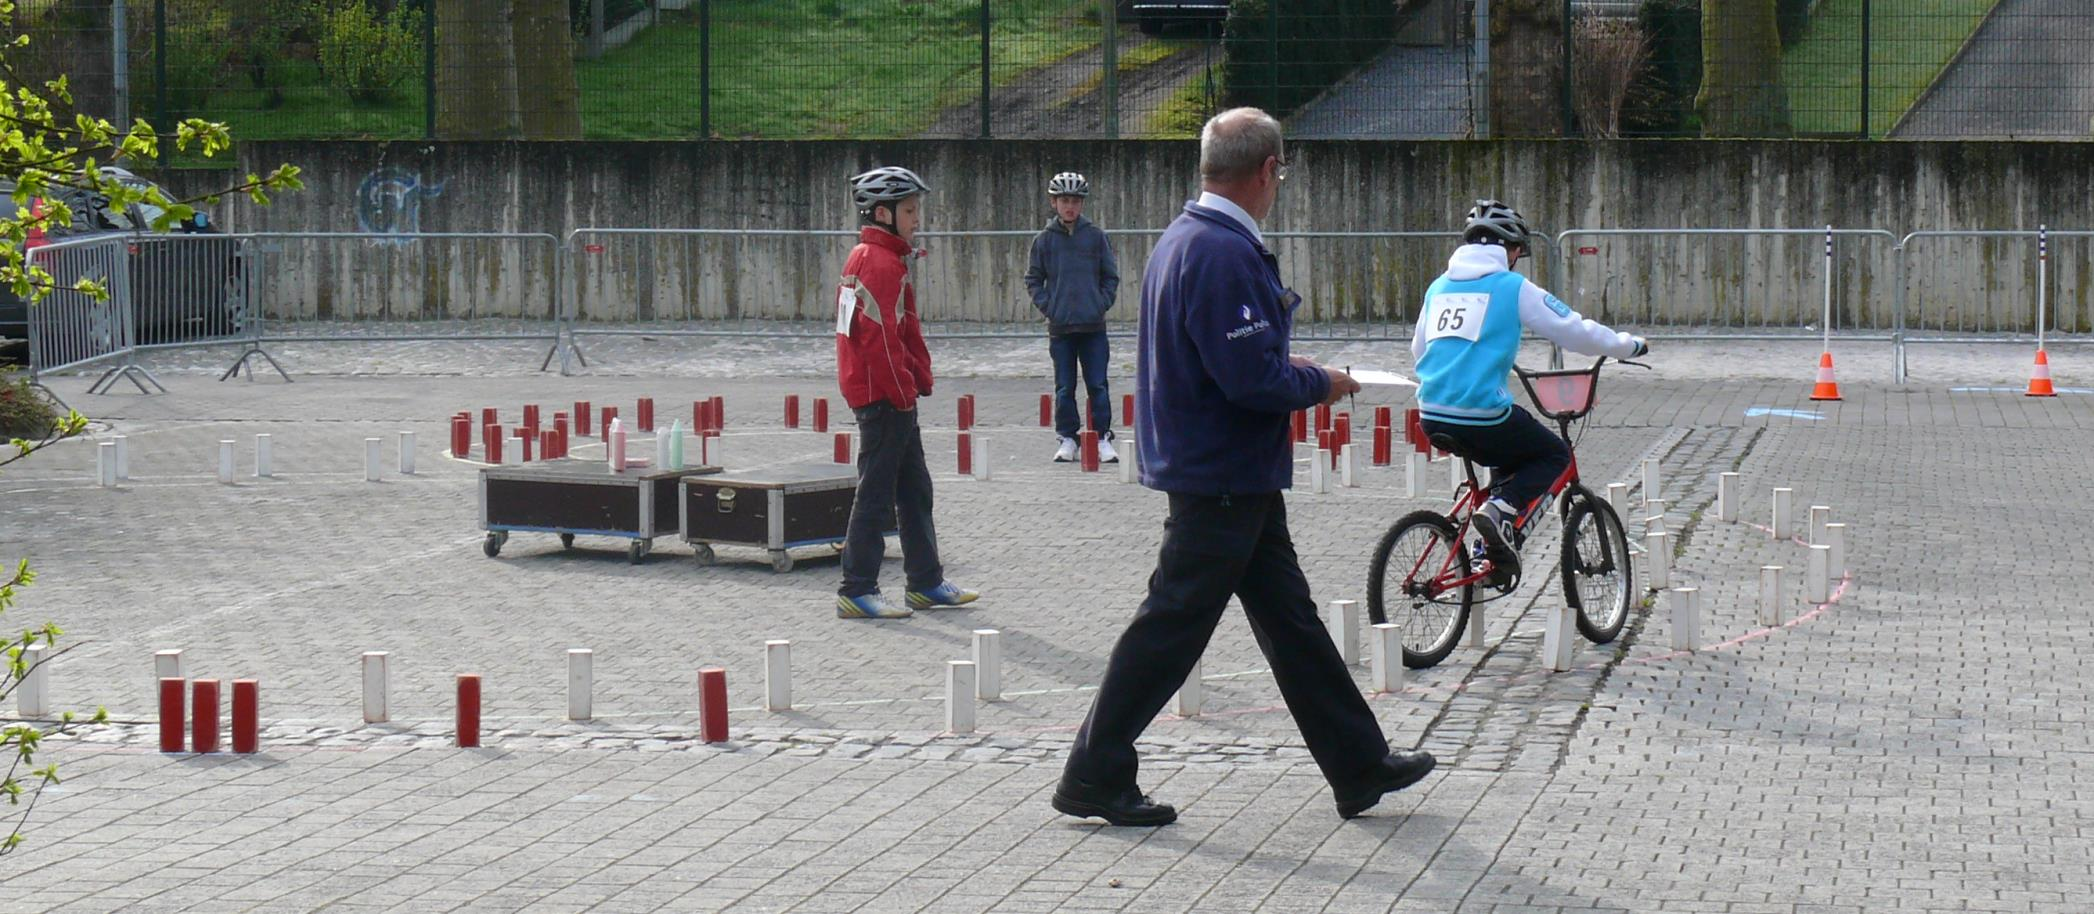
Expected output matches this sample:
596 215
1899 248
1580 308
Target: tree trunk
545 82
475 71
1741 90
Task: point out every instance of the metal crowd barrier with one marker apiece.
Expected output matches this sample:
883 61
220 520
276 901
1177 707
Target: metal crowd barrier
70 329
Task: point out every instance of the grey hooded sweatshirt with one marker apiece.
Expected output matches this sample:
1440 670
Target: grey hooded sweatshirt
1073 276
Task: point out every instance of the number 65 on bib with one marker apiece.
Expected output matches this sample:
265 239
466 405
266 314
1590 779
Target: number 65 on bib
1456 314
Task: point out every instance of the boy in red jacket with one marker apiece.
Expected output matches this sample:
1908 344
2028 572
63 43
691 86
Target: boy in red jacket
883 366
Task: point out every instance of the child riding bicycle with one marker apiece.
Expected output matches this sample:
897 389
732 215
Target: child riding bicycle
1467 337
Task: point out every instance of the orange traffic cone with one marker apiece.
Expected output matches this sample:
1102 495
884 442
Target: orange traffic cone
36 237
2039 381
1827 388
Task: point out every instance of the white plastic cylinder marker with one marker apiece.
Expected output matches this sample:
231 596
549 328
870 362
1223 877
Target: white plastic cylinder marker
1727 497
1349 466
1817 576
1820 515
1836 539
1413 474
1654 516
1651 489
262 446
373 447
1387 666
105 464
123 457
1657 547
981 458
581 683
1686 618
661 448
225 461
1770 595
33 696
1319 473
167 665
1618 496
1476 628
1130 467
407 453
715 448
1558 638
1344 626
959 696
1191 694
777 675
377 708
1782 498
988 664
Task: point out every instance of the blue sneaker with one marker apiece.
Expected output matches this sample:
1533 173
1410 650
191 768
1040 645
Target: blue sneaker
870 606
945 594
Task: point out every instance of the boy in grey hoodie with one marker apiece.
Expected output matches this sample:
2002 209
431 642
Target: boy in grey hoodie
1073 278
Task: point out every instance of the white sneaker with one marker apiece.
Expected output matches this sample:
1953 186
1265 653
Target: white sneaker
1105 452
1065 452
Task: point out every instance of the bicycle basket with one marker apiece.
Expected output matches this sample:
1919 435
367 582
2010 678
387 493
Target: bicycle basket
1562 395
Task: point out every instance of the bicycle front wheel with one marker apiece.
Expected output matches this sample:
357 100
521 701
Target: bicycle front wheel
1410 584
1598 577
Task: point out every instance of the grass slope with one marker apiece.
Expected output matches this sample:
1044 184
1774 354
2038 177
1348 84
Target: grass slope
1911 41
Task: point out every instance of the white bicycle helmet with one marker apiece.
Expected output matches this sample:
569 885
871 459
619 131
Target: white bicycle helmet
1069 184
890 185
1492 222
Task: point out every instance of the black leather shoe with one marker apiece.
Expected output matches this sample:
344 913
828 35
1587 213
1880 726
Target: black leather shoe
1126 807
1396 771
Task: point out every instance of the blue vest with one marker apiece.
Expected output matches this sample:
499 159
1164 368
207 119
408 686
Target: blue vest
1472 328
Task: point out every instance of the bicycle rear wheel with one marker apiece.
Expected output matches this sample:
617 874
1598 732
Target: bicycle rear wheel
1403 587
1598 577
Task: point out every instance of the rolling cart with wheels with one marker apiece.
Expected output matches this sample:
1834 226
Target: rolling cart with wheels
776 509
580 498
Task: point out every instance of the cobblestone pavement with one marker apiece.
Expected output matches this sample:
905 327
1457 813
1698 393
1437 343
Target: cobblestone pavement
1917 744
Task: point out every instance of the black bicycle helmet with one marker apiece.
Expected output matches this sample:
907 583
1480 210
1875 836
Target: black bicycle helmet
1069 184
1492 222
887 185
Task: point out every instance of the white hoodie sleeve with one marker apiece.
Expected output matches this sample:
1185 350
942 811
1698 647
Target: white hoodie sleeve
1418 339
1555 321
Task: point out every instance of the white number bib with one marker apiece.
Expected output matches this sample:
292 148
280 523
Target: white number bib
1456 314
846 306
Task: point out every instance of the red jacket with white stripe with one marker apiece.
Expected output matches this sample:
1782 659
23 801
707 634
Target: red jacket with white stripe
880 354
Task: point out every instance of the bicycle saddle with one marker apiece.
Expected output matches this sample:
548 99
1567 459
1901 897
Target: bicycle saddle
1446 443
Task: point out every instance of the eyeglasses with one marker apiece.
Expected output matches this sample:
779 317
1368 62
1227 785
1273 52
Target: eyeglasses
1280 172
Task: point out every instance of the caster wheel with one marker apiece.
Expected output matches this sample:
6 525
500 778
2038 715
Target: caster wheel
781 561
567 541
493 545
637 551
704 554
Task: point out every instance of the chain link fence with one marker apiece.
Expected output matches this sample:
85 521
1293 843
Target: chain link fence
813 69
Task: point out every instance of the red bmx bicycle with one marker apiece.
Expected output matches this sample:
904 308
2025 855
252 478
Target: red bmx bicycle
1425 577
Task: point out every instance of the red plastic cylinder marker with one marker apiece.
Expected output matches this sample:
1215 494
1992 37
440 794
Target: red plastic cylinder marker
1301 426
548 444
843 447
523 440
1341 430
712 704
561 425
203 715
1414 431
1046 410
1324 439
530 417
966 454
719 414
461 436
171 703
488 416
581 418
644 412
1090 451
1127 410
821 415
966 407
608 413
1383 415
468 711
1383 436
247 729
1323 416
792 410
494 445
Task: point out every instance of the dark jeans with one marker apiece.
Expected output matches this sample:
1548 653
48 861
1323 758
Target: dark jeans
1088 351
1524 456
892 479
1215 547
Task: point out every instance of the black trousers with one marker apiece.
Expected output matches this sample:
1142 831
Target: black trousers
892 479
1524 456
1215 547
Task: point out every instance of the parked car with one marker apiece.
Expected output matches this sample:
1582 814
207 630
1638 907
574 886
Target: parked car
1153 16
185 287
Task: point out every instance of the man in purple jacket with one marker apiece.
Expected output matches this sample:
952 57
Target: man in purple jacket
1214 386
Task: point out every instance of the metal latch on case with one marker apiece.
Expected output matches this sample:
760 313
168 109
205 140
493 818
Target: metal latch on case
725 499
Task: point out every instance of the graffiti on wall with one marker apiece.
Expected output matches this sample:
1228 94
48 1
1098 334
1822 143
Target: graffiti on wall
389 202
